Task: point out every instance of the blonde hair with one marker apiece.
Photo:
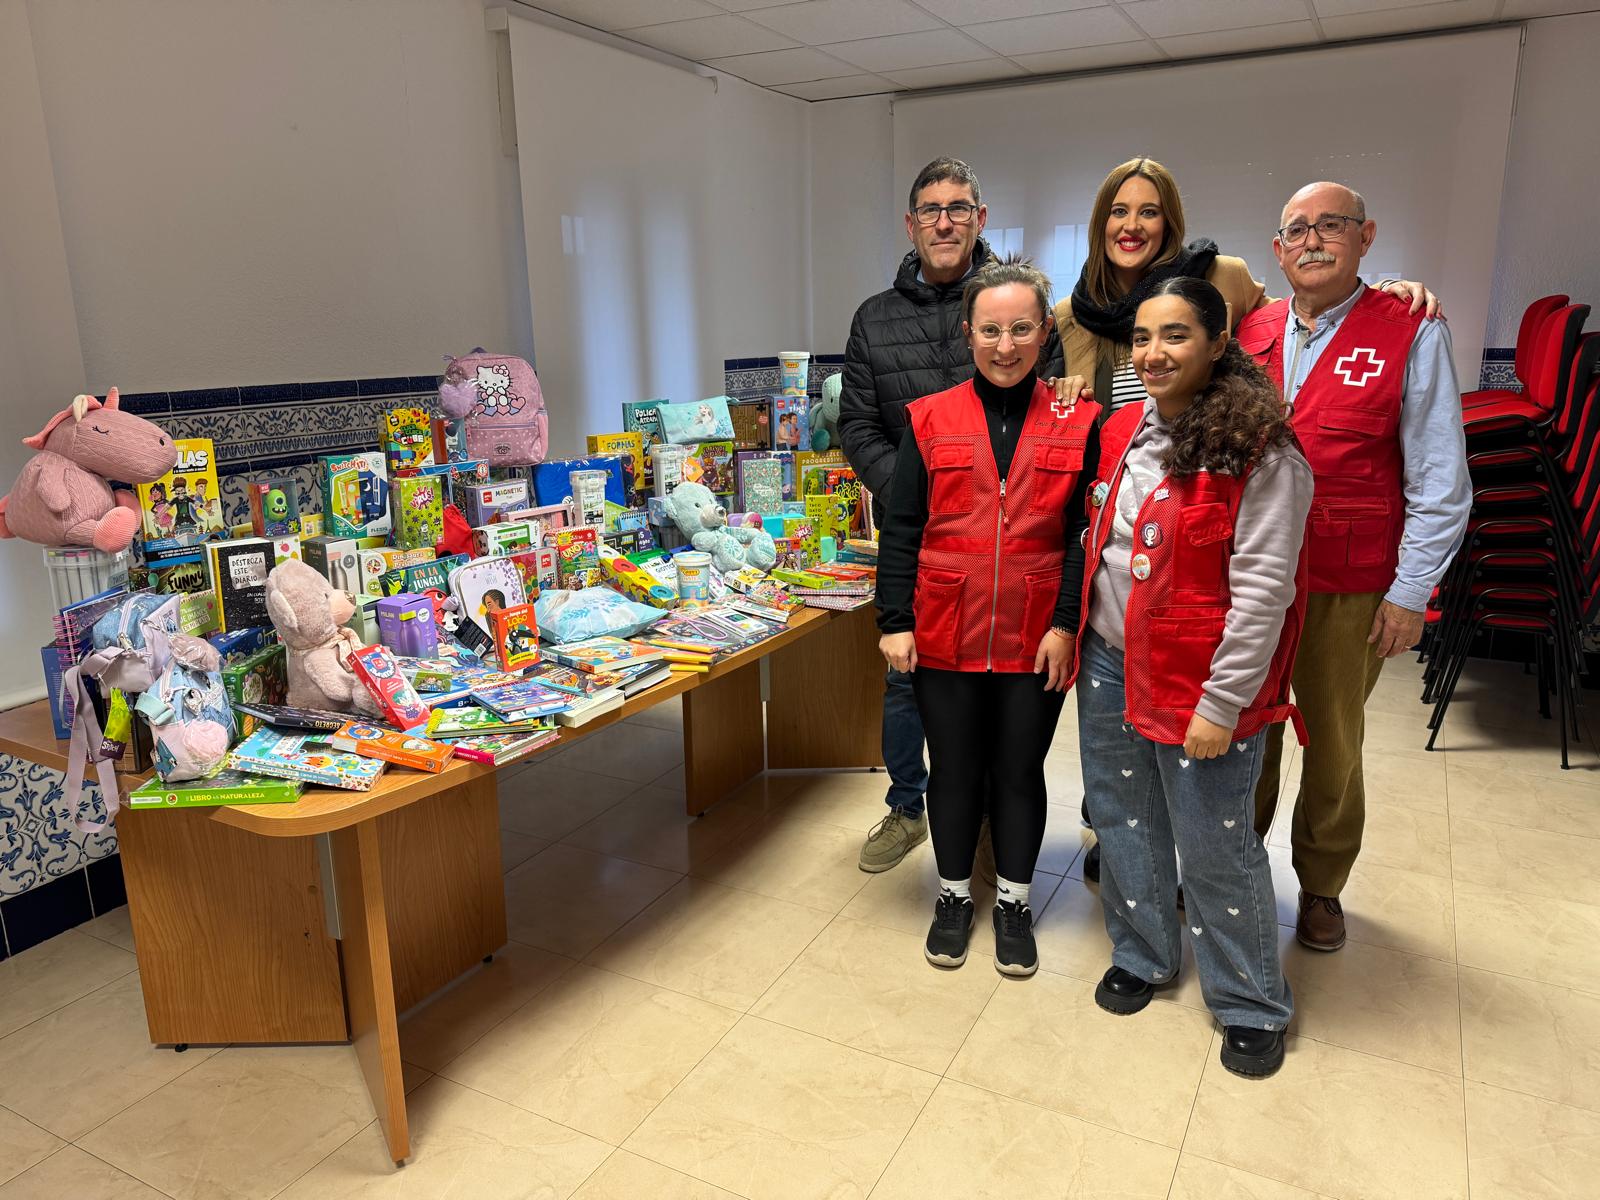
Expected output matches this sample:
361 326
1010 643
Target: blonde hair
1099 280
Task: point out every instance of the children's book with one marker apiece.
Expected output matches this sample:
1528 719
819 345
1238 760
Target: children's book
498 749
521 699
184 506
785 461
585 711
711 465
309 757
760 484
752 423
225 787
629 447
697 421
516 636
644 418
448 724
285 716
570 679
402 749
239 572
602 654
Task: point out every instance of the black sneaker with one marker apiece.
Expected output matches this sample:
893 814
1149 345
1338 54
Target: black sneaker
1091 864
1123 992
1015 953
1253 1053
947 936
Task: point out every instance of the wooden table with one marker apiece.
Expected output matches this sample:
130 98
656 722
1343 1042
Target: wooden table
323 920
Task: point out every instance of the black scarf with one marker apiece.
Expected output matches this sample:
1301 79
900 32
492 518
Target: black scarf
1114 321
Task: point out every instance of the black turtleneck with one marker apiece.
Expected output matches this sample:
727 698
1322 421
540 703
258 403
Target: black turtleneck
1005 409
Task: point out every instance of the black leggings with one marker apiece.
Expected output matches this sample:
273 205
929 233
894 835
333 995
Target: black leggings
987 735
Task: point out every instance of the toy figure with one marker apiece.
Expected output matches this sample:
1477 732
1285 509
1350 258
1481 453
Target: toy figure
160 511
182 507
61 498
276 506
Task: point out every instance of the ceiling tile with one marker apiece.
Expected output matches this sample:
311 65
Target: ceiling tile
817 21
1059 31
1173 18
709 37
1239 41
904 50
1089 58
955 74
622 14
835 89
1539 8
749 5
1405 20
971 12
799 65
1341 8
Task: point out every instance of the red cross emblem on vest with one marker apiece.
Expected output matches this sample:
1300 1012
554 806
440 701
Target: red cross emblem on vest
1064 408
1354 371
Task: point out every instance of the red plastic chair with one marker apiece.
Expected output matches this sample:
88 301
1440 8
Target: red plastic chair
1520 412
1533 319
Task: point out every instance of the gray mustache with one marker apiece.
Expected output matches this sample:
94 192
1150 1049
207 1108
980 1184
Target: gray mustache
1314 256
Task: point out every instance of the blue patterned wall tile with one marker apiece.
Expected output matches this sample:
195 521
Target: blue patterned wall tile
38 839
205 398
328 388
1498 369
271 393
146 404
51 908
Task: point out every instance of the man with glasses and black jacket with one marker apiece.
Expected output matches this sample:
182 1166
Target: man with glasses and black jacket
906 343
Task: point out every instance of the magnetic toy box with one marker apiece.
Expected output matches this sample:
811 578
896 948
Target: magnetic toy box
481 503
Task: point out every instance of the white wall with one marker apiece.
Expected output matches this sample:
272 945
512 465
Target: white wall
1548 240
665 223
857 235
41 362
272 192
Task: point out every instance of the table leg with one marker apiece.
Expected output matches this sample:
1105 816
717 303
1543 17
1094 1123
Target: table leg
826 697
369 978
722 737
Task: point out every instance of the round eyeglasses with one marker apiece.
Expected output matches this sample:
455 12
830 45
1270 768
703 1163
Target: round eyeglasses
1022 332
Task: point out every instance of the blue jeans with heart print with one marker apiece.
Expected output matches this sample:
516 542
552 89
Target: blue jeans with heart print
1149 804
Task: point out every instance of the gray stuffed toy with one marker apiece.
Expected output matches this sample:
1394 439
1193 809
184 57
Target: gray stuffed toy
704 522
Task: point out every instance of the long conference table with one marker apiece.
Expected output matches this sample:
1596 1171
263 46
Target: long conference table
324 919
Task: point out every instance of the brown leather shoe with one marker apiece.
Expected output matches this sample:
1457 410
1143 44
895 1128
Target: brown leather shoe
1321 923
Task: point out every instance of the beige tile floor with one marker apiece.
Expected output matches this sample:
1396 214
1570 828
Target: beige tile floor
727 1007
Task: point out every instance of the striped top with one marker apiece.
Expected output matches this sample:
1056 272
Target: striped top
1125 387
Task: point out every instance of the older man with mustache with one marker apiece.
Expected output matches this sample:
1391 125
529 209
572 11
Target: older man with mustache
1377 409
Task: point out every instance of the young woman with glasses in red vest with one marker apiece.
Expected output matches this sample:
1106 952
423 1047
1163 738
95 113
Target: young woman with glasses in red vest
979 591
1194 594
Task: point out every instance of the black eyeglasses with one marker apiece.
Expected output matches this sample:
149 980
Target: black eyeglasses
1329 229
960 213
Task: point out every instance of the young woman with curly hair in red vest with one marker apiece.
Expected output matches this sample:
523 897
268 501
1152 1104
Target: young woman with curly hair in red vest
979 593
1194 592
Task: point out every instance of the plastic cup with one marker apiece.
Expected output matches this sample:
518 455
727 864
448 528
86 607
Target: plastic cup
793 368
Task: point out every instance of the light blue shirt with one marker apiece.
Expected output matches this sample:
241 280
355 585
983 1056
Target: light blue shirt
1433 445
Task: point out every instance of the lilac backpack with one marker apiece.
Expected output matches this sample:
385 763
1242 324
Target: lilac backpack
498 394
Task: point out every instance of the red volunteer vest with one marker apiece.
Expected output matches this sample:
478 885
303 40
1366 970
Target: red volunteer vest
1347 417
1179 601
989 571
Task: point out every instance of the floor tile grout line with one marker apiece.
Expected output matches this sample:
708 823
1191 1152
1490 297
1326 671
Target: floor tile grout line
1461 1017
1194 1104
99 987
113 1166
1090 1121
1259 1174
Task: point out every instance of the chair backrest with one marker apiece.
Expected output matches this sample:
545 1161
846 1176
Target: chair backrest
1552 360
1579 376
1533 319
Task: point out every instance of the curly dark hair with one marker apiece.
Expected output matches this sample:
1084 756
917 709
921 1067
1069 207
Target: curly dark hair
1234 418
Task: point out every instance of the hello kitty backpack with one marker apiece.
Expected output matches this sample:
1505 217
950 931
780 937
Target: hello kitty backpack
499 396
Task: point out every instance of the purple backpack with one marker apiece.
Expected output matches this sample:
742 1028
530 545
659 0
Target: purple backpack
498 394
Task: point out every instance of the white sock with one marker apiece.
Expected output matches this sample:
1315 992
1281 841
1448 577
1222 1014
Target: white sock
1012 893
956 887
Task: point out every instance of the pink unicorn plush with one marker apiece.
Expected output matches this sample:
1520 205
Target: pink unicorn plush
62 497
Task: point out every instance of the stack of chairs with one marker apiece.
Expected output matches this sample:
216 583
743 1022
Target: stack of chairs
1530 561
